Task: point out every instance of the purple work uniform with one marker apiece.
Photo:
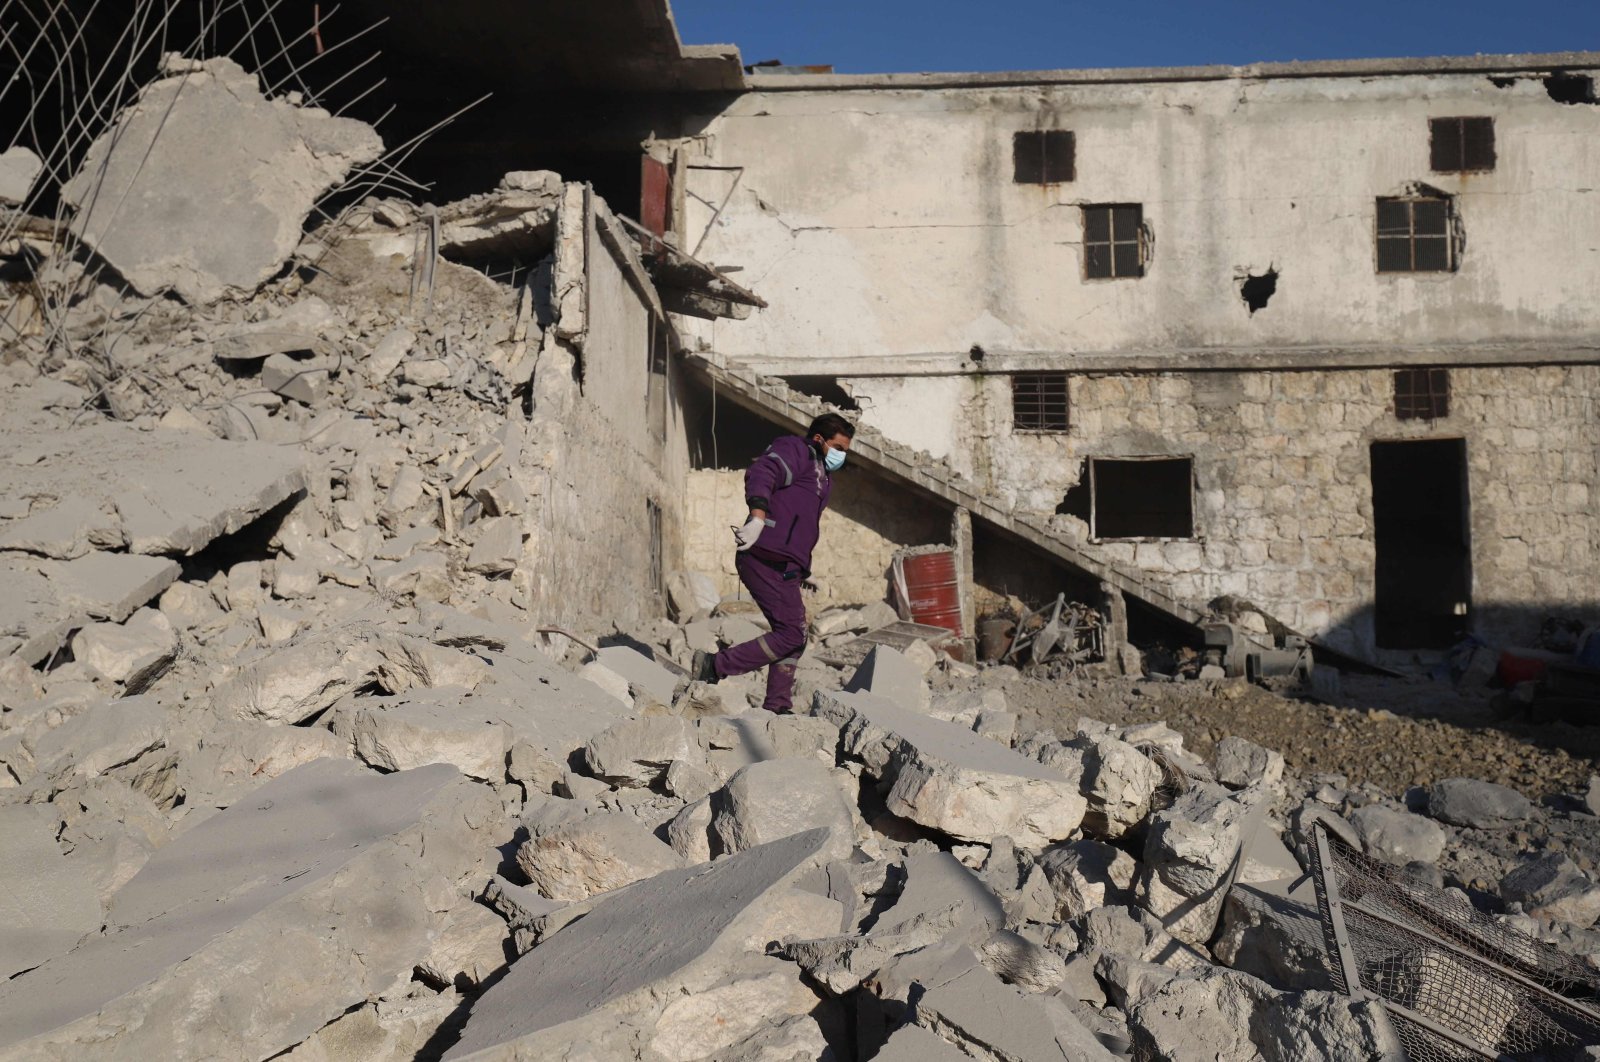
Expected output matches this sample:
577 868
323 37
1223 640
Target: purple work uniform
791 485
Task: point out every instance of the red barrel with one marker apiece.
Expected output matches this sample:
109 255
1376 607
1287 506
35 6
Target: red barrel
933 590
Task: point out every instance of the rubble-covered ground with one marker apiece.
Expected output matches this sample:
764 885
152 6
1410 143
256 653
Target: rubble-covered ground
290 766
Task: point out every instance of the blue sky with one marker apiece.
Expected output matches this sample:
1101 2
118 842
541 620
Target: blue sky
877 36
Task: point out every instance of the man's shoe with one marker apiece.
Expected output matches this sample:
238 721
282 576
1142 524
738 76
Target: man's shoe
704 666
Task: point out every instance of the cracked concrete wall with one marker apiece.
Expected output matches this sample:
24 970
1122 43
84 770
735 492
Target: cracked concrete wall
861 530
887 221
595 460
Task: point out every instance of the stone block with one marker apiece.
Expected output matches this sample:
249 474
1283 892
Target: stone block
1477 804
774 799
597 853
890 674
950 779
1397 837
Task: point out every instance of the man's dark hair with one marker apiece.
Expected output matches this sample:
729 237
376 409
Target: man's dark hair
830 424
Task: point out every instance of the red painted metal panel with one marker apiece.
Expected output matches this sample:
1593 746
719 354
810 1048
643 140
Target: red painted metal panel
655 195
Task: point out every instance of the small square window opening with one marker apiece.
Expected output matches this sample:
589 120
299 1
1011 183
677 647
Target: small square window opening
1421 394
1042 157
1113 240
1415 235
1039 401
1461 145
1150 498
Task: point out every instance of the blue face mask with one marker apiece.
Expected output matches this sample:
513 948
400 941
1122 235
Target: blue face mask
833 460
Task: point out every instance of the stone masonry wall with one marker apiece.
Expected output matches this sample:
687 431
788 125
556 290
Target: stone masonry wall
861 530
1283 492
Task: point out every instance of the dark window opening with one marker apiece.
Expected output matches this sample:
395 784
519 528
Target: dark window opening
1113 240
656 380
1256 290
1043 157
1421 394
826 388
1039 401
1152 498
1461 144
1416 235
1423 564
1570 88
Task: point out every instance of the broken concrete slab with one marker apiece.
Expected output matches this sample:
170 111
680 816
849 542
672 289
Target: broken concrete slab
950 779
774 799
989 1019
641 671
1239 763
593 854
1270 932
299 327
912 1043
1085 875
69 528
889 673
203 185
231 757
673 934
45 907
498 549
47 600
304 381
433 726
637 752
105 736
174 493
133 652
330 868
714 1019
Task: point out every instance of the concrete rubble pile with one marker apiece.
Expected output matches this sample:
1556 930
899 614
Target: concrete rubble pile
288 769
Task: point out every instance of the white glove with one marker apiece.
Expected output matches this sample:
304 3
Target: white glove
746 536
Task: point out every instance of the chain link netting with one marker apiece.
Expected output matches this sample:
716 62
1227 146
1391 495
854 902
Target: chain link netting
1457 983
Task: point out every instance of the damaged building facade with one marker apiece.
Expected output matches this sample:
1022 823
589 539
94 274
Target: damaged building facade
1318 336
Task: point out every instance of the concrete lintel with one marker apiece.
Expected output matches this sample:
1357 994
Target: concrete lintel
1537 62
1202 359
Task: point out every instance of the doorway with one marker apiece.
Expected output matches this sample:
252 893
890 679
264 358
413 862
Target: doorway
1423 590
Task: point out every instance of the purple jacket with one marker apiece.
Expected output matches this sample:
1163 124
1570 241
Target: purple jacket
789 482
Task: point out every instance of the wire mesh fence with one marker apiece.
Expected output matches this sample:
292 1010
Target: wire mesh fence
1457 983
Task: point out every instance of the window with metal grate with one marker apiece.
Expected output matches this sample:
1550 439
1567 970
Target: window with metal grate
1421 394
1113 240
1042 157
1459 145
1416 235
1039 401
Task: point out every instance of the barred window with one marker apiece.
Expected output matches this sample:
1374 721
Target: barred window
1042 157
1459 145
1415 235
1039 401
1113 240
1421 394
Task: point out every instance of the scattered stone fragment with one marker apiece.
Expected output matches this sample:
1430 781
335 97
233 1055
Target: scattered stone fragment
1239 763
1398 837
220 228
1189 852
891 675
948 778
1553 888
594 854
1118 782
774 799
1477 804
639 751
134 652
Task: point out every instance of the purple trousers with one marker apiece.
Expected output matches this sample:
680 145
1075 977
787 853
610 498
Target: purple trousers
779 649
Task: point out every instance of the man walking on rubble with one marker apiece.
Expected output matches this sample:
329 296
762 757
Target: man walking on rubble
786 489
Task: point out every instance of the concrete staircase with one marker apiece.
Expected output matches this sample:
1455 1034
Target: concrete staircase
775 400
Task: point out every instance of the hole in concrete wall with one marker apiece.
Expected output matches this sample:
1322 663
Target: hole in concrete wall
1149 498
1570 88
826 388
1256 290
1076 501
